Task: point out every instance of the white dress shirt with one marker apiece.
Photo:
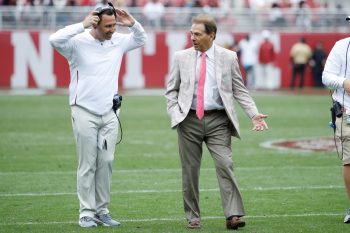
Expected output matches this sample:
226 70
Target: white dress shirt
337 69
94 65
212 99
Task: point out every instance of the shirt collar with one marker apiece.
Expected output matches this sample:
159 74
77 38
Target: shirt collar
209 52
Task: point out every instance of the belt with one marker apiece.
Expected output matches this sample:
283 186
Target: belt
208 112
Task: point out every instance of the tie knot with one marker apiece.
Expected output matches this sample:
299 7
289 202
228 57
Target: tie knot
203 54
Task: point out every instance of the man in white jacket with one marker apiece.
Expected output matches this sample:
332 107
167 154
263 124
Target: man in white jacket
94 56
336 75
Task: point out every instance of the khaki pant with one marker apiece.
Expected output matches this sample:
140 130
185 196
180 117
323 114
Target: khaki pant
214 130
343 133
95 137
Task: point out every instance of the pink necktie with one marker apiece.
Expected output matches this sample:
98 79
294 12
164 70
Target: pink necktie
200 88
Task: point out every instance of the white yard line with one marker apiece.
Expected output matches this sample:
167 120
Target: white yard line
171 170
177 191
175 219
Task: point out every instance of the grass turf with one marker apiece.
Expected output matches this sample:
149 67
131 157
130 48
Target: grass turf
282 191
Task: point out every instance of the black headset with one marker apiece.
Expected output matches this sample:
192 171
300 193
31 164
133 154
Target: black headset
109 9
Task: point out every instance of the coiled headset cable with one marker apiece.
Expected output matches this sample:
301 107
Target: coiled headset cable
121 129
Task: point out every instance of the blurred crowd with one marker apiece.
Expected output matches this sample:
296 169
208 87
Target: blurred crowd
253 4
128 3
303 14
257 56
258 60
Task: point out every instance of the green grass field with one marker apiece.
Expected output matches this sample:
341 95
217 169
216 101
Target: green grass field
282 191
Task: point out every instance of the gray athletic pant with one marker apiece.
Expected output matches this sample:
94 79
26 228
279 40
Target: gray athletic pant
95 137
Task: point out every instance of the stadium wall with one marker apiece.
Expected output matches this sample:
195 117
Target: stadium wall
28 60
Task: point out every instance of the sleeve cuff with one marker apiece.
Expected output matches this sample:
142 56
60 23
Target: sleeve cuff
135 27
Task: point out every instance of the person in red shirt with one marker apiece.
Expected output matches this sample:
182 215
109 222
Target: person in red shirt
266 60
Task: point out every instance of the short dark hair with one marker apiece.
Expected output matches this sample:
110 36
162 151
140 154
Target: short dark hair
208 21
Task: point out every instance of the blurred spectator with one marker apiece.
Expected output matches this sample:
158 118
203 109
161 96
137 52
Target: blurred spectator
227 4
213 3
153 11
249 59
197 3
189 3
50 3
266 59
31 13
71 3
85 2
285 4
185 17
65 16
206 9
246 4
313 3
132 3
340 16
300 55
235 48
258 4
10 18
324 16
276 17
317 63
167 3
9 2
303 16
102 3
266 4
59 4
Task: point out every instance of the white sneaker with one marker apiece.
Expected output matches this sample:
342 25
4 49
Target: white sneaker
347 217
87 221
106 220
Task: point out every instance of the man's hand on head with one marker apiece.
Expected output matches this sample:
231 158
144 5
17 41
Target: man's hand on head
124 18
91 20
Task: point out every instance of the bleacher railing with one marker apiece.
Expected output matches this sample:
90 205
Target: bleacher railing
52 18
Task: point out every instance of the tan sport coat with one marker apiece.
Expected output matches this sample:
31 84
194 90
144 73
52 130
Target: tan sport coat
181 84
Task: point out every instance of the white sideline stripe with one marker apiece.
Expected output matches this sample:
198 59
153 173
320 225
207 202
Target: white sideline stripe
180 219
170 170
176 191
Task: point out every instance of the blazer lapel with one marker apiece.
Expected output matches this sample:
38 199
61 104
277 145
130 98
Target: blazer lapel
192 61
218 58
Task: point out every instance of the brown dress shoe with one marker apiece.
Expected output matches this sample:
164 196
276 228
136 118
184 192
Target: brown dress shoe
235 222
194 224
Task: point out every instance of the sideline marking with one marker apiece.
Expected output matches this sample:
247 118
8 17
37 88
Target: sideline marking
181 219
176 191
311 144
169 170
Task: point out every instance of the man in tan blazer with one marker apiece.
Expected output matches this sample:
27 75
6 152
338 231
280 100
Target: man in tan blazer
203 111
